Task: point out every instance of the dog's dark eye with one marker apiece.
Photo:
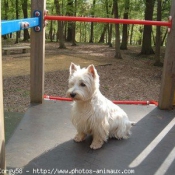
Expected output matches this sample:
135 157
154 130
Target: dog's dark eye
82 84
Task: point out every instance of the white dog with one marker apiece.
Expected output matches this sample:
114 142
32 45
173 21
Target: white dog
92 113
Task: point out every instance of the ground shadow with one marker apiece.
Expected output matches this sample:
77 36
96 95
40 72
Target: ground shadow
146 152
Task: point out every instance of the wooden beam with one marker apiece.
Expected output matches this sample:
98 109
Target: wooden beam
2 137
168 76
37 56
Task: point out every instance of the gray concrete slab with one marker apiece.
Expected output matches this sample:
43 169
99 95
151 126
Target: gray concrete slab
11 121
43 144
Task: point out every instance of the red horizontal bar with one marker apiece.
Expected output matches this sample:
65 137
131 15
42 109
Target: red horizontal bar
108 20
47 97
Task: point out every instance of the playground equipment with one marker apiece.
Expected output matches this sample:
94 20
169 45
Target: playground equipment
37 22
109 20
163 104
47 97
38 41
11 26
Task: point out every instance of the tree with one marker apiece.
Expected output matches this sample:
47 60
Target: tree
109 5
158 35
69 26
163 39
125 27
60 26
25 13
107 27
117 37
74 25
5 7
51 28
17 16
71 11
146 44
92 24
102 37
131 33
110 34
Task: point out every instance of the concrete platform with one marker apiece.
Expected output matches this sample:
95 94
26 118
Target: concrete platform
43 144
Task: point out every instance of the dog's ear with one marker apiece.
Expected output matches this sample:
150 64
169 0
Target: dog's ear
73 68
91 69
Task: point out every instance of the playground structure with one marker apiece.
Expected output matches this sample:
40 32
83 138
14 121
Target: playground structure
37 22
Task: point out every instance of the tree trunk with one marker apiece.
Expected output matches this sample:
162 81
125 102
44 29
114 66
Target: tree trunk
154 38
158 35
73 34
163 40
109 26
110 35
131 34
91 40
80 31
51 35
85 32
117 38
69 32
74 25
146 44
17 16
61 36
5 8
125 27
102 37
60 26
24 8
70 12
51 31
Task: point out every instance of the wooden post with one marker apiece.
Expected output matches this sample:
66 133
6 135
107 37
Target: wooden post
168 77
2 139
37 56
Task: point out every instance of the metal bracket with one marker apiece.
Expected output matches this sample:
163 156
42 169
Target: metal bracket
170 21
38 14
25 25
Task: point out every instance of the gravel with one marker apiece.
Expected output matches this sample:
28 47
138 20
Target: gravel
132 78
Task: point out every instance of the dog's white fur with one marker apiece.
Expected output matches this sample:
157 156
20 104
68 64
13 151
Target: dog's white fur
92 113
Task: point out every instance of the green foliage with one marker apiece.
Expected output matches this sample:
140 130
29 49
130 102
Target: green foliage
102 8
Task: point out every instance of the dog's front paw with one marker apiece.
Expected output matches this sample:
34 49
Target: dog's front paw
79 137
96 144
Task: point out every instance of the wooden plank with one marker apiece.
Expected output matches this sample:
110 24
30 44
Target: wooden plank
2 138
168 76
16 48
8 49
37 53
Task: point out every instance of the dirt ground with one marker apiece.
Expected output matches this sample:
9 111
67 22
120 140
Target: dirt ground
132 78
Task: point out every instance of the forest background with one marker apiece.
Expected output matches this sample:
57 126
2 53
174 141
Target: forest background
132 78
119 36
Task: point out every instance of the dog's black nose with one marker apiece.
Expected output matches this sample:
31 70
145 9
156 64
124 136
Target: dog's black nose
72 94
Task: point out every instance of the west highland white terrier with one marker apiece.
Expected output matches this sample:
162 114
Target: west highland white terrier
92 113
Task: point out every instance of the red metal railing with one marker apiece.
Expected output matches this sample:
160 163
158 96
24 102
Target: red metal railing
108 20
127 102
